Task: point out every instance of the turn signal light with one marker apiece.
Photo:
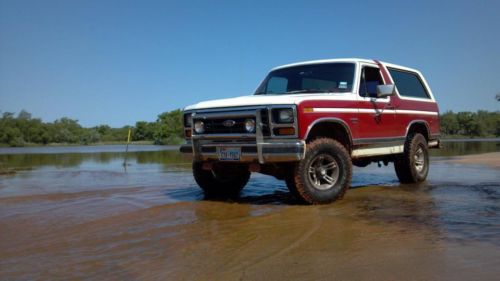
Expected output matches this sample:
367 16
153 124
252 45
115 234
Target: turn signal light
287 131
187 133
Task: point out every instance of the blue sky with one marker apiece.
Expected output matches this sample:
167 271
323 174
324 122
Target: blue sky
118 62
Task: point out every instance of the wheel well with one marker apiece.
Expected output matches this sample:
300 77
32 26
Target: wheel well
333 130
420 128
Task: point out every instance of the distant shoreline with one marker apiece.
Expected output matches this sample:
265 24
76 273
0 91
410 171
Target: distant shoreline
469 139
109 148
80 144
3 145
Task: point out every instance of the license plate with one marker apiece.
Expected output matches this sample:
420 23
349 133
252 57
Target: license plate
229 153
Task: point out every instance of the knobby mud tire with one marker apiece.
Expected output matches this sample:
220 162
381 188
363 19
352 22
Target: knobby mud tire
406 165
305 188
221 180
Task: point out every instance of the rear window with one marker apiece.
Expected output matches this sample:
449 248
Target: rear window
408 84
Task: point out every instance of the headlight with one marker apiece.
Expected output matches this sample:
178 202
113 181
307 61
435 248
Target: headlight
283 115
250 125
199 127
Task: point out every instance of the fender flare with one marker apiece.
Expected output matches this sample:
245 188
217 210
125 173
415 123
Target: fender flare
423 122
329 120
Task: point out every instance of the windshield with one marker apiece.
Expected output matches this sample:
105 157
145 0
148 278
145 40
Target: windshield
312 78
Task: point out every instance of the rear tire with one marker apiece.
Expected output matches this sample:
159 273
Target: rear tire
221 180
413 165
324 175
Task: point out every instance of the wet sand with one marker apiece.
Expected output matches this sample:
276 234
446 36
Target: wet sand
491 159
88 218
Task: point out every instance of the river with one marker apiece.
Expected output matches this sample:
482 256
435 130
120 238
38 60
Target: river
79 213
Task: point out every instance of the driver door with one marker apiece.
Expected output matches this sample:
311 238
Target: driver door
376 115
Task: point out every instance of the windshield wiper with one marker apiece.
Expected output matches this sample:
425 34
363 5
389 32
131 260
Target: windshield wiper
306 91
303 91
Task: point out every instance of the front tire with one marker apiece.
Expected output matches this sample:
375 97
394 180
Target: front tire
413 165
290 184
324 175
221 180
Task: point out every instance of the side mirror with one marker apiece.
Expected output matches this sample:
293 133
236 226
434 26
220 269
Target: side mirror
386 90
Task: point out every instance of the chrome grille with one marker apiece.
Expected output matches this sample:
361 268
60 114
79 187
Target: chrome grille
216 122
216 125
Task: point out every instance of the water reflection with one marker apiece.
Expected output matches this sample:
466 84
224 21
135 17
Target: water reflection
14 158
454 148
76 159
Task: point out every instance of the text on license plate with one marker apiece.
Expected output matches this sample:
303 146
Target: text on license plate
229 153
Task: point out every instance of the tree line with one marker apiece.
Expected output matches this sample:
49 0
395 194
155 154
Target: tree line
22 129
470 124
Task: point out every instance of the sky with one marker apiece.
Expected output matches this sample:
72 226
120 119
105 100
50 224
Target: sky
118 62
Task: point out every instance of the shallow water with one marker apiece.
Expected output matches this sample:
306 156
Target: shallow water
74 215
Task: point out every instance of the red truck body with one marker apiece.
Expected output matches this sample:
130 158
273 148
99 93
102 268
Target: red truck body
372 110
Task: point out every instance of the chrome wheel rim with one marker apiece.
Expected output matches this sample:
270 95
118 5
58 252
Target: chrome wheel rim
323 172
419 160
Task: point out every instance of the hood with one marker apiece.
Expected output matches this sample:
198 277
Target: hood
252 100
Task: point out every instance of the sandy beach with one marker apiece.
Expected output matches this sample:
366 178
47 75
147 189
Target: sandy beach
490 159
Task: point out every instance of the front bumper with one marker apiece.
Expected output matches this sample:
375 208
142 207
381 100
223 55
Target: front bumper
262 146
263 152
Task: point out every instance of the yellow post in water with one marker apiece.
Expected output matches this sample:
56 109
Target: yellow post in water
126 148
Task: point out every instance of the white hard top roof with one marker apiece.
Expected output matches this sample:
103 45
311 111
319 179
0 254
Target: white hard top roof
351 60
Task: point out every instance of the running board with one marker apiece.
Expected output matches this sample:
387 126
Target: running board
365 152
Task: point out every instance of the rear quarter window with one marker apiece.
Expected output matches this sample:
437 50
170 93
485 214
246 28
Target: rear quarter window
408 84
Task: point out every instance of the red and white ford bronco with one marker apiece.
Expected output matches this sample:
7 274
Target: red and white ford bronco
308 122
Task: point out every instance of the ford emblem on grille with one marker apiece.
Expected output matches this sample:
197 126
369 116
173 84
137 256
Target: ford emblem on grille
228 123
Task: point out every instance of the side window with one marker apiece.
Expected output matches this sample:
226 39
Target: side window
277 85
408 84
370 79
